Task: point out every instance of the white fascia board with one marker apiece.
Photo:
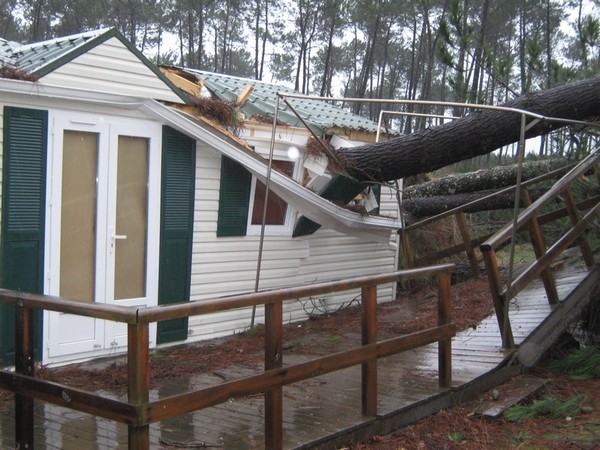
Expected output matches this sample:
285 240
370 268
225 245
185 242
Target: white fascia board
307 202
304 200
38 89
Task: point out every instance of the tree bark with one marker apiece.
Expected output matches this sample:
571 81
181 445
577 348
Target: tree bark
478 133
481 180
432 206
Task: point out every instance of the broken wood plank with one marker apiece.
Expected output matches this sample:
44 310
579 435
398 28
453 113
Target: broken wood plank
509 394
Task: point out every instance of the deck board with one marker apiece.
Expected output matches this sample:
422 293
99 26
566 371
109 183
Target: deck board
314 408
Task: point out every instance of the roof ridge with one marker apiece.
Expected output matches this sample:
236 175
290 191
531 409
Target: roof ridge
84 35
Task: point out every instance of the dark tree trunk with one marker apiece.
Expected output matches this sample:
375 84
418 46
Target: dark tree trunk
481 180
432 206
478 133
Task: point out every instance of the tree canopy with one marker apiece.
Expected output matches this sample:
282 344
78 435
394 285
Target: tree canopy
488 51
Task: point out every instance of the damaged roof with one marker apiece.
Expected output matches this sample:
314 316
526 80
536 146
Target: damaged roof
318 114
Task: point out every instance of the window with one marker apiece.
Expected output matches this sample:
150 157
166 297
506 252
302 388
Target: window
276 208
241 202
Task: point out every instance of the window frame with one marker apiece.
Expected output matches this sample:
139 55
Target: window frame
273 230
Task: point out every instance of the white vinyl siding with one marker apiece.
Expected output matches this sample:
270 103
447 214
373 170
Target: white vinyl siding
227 265
112 68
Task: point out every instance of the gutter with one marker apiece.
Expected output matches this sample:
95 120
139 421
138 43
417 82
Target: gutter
304 200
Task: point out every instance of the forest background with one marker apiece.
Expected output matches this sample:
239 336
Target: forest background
476 51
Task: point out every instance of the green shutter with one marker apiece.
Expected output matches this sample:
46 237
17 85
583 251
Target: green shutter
234 199
177 226
23 217
340 189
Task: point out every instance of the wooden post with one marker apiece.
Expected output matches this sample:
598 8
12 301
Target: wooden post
138 382
466 237
539 247
369 336
444 317
407 247
409 258
273 360
499 300
24 327
586 251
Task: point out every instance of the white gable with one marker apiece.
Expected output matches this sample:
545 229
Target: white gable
112 68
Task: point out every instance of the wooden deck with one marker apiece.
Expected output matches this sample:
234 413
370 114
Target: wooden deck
324 412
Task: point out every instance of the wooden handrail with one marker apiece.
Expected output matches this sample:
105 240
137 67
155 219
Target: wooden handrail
138 411
526 215
544 257
178 310
531 218
468 206
536 268
116 313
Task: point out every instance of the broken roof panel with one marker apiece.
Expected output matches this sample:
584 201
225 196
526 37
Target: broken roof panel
319 114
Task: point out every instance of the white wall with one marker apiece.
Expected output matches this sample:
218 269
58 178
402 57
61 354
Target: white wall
225 266
111 67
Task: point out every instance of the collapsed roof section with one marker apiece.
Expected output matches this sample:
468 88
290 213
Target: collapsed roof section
102 67
257 101
332 125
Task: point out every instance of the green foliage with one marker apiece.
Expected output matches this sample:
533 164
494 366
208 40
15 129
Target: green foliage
549 407
522 436
457 436
582 364
434 50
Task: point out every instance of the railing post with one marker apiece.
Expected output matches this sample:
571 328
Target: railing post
444 318
586 251
407 248
24 328
138 382
499 300
409 257
466 237
369 336
539 248
273 360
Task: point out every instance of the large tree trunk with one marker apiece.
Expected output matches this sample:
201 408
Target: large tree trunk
432 206
482 180
478 133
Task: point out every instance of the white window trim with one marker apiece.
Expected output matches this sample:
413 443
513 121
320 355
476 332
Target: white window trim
274 230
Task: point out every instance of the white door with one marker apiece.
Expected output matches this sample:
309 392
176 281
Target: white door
104 205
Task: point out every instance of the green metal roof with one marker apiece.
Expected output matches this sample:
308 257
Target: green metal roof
7 50
320 115
41 58
37 57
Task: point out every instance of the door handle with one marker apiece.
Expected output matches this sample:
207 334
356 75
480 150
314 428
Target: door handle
116 237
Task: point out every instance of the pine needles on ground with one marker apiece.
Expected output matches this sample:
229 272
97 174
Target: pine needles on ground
547 407
582 364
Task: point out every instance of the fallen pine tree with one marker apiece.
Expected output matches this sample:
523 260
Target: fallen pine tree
478 133
482 180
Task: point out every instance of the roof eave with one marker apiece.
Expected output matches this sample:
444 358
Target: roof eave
307 202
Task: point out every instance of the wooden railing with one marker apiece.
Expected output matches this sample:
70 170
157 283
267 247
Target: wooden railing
469 244
529 219
503 293
138 411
